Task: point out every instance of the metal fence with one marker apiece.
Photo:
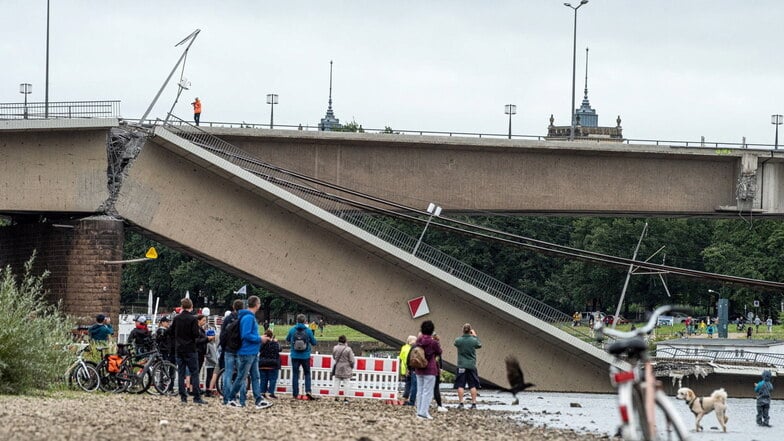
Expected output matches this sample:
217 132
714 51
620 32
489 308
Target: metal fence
720 356
60 109
373 225
712 145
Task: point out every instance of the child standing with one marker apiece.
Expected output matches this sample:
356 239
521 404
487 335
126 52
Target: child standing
763 389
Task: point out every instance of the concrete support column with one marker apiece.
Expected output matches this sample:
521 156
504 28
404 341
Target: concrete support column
73 254
93 286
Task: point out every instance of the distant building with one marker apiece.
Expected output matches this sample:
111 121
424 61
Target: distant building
586 121
329 122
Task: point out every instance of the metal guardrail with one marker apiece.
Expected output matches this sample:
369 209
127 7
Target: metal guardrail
60 109
711 145
720 356
373 225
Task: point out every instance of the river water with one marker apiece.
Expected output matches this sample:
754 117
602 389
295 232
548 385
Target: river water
598 414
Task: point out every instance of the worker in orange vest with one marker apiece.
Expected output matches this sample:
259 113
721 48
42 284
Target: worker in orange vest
196 110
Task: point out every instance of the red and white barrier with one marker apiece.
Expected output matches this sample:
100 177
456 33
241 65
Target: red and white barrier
373 377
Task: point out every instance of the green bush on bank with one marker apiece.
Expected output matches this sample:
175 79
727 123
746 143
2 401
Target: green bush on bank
32 335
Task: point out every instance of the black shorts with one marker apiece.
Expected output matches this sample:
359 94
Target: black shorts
467 377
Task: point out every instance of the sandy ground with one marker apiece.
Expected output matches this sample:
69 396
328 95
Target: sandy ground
82 416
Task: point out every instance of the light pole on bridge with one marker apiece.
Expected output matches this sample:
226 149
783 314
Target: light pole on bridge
272 99
434 210
510 109
25 89
574 64
776 120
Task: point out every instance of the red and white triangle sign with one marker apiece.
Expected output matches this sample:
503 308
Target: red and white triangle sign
418 307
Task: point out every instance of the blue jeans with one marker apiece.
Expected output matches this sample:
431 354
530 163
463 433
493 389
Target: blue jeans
189 361
295 364
269 379
246 364
412 394
230 365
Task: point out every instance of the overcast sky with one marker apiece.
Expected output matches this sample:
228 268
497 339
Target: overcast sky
672 69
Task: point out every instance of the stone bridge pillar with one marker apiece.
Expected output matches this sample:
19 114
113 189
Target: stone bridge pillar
73 252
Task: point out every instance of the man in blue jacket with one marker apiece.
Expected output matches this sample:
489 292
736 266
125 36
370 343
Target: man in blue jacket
300 337
248 356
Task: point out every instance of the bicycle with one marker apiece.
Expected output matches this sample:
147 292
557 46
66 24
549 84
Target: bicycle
641 402
81 372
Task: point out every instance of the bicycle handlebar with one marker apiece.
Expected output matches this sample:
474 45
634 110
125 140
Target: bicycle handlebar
644 330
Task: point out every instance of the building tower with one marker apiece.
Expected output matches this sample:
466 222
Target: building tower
587 121
329 122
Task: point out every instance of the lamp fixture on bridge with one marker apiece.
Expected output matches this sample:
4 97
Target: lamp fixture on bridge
574 63
25 89
776 120
272 99
718 295
510 109
434 210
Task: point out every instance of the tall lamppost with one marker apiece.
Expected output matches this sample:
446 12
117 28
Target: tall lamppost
574 62
272 99
711 298
434 210
46 96
776 120
25 89
510 109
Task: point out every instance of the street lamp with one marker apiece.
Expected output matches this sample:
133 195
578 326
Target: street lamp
434 210
510 109
574 63
717 298
272 99
776 120
25 89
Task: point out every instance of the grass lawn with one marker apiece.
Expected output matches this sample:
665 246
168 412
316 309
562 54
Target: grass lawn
331 333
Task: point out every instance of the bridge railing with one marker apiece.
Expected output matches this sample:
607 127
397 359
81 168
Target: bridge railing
712 145
376 227
60 109
720 356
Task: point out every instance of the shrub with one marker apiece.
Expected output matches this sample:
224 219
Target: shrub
32 335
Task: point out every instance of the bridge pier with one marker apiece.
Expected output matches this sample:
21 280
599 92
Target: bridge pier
73 252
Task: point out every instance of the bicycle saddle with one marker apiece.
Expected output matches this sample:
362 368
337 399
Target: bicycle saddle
633 347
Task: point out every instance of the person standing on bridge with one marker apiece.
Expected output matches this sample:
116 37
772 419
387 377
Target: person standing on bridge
196 110
467 344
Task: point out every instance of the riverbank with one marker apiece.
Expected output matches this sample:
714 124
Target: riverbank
80 416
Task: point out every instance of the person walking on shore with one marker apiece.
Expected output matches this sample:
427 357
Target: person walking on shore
343 357
248 356
300 337
185 328
426 377
467 344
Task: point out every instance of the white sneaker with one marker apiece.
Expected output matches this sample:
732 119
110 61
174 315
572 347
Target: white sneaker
261 404
442 409
234 403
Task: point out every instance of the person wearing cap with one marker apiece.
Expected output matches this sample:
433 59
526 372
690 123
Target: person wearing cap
140 336
163 338
101 329
211 362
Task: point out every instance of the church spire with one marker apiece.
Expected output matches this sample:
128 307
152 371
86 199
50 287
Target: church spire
586 75
329 122
586 116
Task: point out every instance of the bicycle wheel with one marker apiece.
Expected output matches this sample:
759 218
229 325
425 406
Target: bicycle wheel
164 377
640 430
108 380
669 424
86 377
140 379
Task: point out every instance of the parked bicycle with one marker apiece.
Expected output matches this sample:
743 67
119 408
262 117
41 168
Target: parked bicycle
82 373
641 402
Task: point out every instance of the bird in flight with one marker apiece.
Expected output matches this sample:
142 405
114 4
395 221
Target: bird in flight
514 373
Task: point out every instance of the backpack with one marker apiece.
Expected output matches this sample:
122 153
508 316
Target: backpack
233 336
114 363
300 340
416 358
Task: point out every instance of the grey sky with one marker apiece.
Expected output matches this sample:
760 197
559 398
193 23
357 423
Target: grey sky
673 69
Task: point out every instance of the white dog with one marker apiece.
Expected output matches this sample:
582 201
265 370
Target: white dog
702 406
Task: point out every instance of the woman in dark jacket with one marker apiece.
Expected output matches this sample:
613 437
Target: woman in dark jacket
426 377
269 363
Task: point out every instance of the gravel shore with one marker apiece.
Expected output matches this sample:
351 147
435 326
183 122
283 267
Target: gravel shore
81 416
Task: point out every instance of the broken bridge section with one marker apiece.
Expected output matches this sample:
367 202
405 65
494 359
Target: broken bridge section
202 204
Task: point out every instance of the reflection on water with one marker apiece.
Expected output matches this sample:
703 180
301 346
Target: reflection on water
597 413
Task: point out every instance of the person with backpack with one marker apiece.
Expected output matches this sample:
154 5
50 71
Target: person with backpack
248 355
140 336
300 337
228 357
269 363
426 376
185 328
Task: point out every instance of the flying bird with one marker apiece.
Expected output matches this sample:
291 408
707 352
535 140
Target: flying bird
516 379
